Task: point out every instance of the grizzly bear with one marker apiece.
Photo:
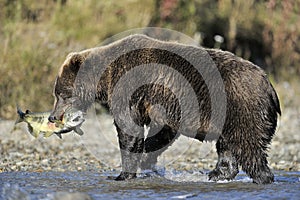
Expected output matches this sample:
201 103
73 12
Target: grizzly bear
174 89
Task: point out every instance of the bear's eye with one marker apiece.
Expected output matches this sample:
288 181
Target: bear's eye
62 95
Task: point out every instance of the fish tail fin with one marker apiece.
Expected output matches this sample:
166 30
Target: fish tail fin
21 115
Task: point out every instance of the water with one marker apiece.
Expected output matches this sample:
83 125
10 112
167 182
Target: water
172 185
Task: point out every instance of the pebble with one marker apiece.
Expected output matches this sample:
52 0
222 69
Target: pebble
44 162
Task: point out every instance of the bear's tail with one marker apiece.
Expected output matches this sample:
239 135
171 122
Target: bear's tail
275 100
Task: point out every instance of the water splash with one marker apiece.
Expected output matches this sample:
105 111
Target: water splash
186 176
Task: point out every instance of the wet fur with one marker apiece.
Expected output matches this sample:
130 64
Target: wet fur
251 115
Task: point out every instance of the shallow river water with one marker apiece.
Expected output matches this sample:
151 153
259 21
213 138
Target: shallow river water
172 185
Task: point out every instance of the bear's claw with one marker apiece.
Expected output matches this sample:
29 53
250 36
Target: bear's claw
217 175
125 176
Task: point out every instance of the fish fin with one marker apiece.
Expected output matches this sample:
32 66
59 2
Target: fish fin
30 129
35 133
58 135
78 131
48 134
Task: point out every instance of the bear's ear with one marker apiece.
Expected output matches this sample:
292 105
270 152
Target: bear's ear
76 59
73 63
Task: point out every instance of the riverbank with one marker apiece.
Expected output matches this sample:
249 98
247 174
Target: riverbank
98 148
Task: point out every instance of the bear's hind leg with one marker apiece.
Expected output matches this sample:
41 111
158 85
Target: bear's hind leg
155 145
256 166
227 166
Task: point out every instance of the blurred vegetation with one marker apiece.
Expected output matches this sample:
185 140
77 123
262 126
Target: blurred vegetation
35 36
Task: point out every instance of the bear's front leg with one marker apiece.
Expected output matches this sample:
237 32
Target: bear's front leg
131 147
227 166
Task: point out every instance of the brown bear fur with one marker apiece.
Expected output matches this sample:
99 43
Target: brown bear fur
251 109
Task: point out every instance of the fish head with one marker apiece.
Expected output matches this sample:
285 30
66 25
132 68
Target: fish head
73 118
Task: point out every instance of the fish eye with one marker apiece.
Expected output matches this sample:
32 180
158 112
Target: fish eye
76 119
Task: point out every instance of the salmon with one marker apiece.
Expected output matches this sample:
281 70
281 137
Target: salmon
38 123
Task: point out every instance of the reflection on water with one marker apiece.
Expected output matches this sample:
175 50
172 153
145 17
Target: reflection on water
172 185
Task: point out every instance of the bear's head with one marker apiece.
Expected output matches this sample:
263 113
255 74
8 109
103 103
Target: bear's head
64 88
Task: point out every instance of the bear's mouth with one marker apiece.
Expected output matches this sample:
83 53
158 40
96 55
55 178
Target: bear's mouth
61 117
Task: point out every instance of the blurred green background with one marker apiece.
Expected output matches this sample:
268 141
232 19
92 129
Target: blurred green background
36 36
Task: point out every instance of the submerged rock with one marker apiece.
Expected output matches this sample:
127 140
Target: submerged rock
71 196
